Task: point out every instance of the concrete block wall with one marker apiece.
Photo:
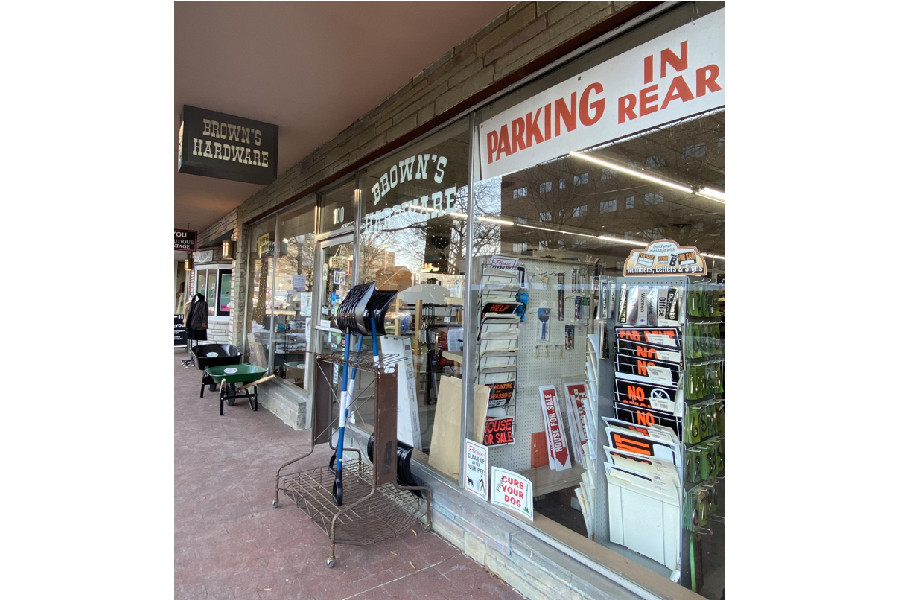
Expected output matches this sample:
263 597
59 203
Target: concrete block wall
500 542
219 331
218 229
284 403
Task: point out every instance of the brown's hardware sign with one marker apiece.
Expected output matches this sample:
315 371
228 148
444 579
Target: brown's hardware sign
218 145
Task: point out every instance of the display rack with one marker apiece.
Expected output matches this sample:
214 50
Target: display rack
500 309
661 447
542 338
375 506
290 345
704 420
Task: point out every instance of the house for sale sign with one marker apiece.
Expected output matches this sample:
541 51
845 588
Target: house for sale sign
557 446
679 74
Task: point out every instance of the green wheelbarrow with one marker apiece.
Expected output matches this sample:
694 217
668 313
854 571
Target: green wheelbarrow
227 376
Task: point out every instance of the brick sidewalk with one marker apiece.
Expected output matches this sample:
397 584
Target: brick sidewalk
230 543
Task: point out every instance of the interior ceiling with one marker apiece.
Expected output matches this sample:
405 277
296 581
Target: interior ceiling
311 68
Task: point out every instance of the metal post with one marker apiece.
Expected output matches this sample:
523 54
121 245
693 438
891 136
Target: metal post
467 429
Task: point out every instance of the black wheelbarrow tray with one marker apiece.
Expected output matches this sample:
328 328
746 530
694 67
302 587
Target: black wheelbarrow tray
213 355
229 375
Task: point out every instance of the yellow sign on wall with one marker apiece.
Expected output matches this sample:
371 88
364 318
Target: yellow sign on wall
262 245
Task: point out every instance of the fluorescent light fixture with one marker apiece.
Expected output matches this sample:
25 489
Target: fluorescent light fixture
706 192
633 173
457 215
618 240
712 194
712 255
541 228
493 220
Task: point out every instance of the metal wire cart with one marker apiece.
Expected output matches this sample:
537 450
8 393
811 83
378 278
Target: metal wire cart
375 504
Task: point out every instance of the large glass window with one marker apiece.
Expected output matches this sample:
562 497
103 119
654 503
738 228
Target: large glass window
337 209
565 225
413 241
292 293
260 294
214 283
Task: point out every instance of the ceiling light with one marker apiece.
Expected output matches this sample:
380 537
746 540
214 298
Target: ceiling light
712 194
706 192
227 249
618 240
633 173
498 221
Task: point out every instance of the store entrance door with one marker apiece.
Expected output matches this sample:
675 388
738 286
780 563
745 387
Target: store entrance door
335 260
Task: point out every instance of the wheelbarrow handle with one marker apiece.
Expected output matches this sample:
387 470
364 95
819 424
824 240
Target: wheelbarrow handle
258 381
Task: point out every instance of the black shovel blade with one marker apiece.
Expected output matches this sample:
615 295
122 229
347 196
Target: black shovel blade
352 310
378 306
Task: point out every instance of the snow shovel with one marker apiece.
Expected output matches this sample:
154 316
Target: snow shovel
350 320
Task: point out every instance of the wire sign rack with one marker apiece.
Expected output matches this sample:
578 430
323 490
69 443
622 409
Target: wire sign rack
375 506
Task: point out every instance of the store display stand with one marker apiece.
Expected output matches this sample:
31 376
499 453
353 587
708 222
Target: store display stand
692 406
374 506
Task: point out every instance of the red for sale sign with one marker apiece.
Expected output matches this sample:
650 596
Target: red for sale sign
557 447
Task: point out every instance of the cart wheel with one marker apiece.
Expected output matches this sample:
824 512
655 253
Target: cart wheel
426 527
274 503
330 562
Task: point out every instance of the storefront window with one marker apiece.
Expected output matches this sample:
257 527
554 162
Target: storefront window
200 282
260 296
293 292
224 298
337 208
565 333
413 241
215 285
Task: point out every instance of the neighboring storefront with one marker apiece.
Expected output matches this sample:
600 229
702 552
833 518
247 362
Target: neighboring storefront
207 271
559 256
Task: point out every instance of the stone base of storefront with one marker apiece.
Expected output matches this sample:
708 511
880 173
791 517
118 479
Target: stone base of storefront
285 403
532 561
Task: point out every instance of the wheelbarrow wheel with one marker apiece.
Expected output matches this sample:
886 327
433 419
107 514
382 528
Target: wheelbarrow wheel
330 562
229 389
